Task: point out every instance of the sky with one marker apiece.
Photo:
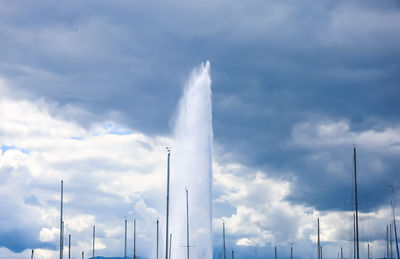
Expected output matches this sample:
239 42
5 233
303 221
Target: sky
89 91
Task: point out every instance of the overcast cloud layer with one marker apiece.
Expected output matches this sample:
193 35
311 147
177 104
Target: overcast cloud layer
88 91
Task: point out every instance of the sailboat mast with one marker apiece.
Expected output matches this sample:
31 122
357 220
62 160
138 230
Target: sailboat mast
291 252
355 196
276 253
157 237
387 241
391 240
69 246
134 239
354 235
170 245
394 223
61 221
341 252
94 239
166 224
319 244
125 238
62 227
187 223
32 253
223 237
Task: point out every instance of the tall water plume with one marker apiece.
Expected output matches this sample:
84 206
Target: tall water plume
191 168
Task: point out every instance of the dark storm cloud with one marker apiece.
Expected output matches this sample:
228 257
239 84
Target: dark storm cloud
274 65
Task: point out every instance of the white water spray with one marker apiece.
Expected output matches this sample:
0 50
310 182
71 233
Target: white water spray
191 168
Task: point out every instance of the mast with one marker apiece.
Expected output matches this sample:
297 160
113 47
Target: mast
355 191
166 225
391 240
233 255
125 238
319 244
187 223
69 246
368 252
61 221
276 253
291 252
83 255
223 237
32 254
394 222
134 239
170 243
94 239
157 238
387 241
354 235
341 252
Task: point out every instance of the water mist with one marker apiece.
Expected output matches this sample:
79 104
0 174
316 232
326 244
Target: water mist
191 168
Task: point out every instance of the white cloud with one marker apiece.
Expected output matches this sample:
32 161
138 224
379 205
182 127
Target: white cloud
331 134
106 170
47 235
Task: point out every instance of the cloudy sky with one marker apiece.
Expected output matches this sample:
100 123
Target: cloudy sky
88 93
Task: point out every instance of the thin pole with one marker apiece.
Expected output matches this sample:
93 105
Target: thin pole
276 253
387 241
394 223
223 237
233 255
291 252
341 252
94 239
354 235
170 243
391 240
355 191
32 254
134 239
62 227
368 252
166 225
319 243
187 223
69 246
61 220
83 255
157 237
125 238
321 252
